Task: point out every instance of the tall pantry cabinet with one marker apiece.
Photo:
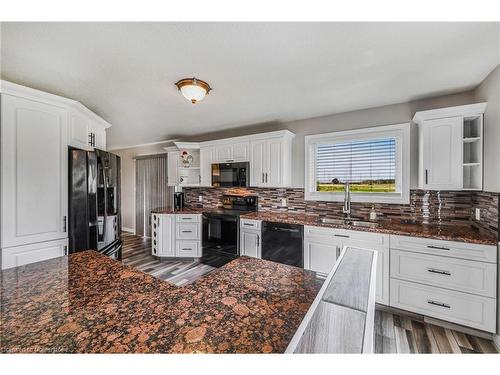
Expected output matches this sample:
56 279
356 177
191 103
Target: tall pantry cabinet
36 130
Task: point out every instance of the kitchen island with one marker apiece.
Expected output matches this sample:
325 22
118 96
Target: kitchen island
87 302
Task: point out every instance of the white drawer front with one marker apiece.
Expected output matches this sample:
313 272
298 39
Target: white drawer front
484 253
20 255
187 231
190 249
462 308
187 218
457 274
355 238
250 224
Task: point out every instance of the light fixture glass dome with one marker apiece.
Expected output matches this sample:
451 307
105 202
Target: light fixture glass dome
193 89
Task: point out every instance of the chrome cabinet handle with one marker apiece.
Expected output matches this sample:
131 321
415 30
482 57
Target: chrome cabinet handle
426 176
438 247
262 177
440 304
229 160
441 272
187 218
65 223
65 250
258 240
337 251
266 177
248 224
187 248
341 235
187 231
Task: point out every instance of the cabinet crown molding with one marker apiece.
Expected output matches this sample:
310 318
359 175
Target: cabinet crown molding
461 110
14 89
252 137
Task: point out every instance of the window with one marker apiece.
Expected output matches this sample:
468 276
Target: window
374 161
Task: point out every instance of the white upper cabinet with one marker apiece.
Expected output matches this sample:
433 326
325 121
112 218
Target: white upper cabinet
229 152
85 132
34 171
442 153
450 147
207 154
271 161
79 125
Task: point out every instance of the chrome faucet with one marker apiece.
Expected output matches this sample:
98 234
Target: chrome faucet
347 200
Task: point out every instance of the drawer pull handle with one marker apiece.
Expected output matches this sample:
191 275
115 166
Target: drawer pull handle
440 304
441 272
187 231
187 248
341 235
187 218
248 224
437 247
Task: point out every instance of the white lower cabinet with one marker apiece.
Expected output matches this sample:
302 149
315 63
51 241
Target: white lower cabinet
250 238
21 255
322 246
457 307
452 281
176 235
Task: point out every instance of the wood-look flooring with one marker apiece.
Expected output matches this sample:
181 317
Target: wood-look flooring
136 252
404 334
394 333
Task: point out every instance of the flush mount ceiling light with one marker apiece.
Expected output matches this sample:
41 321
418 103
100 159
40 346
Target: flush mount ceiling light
193 89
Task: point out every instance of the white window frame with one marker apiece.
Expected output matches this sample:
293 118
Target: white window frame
400 132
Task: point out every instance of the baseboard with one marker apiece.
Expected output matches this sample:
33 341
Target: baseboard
128 230
496 340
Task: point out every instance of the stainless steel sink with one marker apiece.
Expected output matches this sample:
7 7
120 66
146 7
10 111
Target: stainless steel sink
365 224
353 222
325 220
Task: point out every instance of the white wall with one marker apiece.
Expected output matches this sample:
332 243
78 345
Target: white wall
489 91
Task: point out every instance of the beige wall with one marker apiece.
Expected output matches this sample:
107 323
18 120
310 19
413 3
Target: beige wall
128 178
489 91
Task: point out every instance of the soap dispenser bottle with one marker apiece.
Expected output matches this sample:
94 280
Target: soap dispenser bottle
373 214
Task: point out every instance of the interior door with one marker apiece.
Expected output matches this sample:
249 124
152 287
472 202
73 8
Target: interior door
258 151
442 153
34 163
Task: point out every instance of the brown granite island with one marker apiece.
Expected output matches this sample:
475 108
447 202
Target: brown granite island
90 303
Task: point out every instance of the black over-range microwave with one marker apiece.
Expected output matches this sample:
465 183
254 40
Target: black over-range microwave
230 174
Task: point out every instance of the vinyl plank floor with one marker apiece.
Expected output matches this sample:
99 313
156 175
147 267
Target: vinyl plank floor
137 253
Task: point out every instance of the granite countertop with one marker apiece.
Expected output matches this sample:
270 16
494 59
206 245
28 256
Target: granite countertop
185 210
450 232
90 303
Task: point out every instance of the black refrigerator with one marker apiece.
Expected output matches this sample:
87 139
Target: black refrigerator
94 202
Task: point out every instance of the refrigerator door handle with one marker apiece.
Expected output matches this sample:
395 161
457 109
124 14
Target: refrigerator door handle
105 188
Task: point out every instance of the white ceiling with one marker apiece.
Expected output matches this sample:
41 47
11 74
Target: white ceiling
260 72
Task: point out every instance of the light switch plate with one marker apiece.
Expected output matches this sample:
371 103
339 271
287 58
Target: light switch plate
477 214
200 198
283 202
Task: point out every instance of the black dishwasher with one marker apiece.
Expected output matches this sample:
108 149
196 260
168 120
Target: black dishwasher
283 243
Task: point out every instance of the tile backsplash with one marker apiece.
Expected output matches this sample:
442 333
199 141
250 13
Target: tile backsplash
425 206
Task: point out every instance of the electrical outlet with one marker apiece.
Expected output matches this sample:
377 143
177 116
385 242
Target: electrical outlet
200 198
283 202
477 214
